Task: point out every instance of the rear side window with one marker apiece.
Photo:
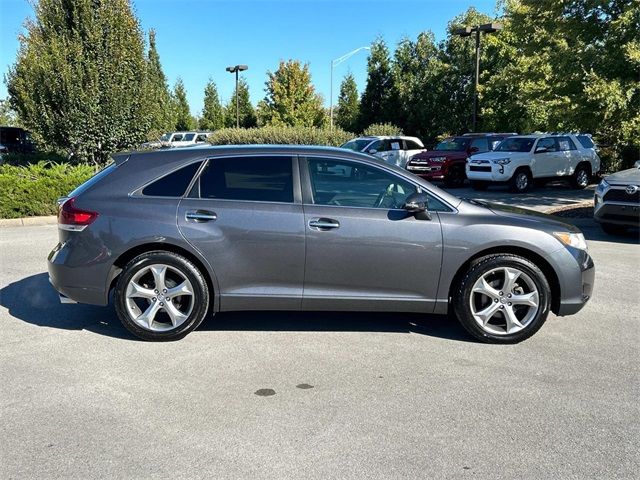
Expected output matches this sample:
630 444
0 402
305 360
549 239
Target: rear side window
174 184
411 145
565 143
261 179
585 141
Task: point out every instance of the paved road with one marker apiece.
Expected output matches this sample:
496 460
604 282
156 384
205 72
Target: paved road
394 396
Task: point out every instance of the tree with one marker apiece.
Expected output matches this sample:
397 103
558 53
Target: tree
159 97
291 98
79 80
183 119
213 113
379 99
348 109
7 115
247 113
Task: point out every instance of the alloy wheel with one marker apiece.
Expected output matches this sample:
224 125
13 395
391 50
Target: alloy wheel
582 179
159 298
522 181
504 301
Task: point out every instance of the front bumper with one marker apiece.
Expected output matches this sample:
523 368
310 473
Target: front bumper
429 172
576 281
617 213
487 172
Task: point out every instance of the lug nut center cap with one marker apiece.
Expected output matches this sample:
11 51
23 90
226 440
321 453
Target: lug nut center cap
503 300
161 298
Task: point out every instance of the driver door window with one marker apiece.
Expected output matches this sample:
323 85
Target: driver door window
347 184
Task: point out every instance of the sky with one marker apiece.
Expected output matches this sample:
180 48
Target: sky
197 39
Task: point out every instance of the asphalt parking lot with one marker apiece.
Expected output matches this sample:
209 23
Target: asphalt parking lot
354 395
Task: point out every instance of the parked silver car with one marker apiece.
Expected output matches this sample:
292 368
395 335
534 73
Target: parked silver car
180 232
617 201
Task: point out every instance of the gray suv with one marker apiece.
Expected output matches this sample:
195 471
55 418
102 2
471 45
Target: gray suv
177 234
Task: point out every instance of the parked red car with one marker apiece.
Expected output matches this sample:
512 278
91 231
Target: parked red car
447 161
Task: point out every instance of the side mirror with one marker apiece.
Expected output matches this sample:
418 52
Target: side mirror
417 204
372 151
541 150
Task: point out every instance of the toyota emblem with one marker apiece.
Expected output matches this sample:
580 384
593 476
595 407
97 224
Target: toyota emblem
631 189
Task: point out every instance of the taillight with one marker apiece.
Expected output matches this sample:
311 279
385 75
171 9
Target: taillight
72 218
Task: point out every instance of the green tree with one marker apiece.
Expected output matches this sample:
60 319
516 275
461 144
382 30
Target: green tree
291 98
161 112
79 80
213 113
247 113
348 108
379 101
183 118
7 115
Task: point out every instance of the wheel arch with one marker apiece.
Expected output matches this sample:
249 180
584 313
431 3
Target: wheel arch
133 252
530 255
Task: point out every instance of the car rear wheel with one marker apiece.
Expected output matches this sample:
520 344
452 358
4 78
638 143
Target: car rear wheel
521 181
581 177
161 296
502 298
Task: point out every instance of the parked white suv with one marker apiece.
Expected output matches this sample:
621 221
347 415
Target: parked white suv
178 139
521 159
396 150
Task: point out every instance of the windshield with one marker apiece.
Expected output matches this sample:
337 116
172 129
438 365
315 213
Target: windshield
453 144
357 145
515 144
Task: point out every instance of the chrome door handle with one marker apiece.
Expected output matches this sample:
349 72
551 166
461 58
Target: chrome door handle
324 223
201 216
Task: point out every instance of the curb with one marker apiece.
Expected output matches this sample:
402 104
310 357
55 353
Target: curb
28 221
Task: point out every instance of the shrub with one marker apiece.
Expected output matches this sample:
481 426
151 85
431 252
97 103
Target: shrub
31 158
32 190
379 129
280 136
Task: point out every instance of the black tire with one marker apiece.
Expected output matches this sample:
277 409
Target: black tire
455 177
520 181
581 177
177 265
479 186
480 267
613 229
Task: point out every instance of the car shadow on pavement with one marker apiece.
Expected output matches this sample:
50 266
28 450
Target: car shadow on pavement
33 300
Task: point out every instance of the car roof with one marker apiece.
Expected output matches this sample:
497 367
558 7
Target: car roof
218 150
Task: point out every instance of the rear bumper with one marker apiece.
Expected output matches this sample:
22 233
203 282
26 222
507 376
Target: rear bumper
65 277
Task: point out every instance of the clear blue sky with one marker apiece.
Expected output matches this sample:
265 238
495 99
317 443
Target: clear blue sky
197 39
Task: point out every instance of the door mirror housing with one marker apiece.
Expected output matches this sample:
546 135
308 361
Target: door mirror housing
417 205
541 150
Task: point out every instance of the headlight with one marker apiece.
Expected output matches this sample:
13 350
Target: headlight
575 240
502 161
603 184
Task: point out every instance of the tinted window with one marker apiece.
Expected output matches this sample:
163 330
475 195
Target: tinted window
549 143
411 145
174 184
482 144
565 143
263 179
515 144
188 137
585 141
453 144
348 184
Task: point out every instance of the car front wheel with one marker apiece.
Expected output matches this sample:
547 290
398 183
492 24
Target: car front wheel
502 298
520 182
161 296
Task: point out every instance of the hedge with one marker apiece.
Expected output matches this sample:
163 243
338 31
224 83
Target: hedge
280 135
32 190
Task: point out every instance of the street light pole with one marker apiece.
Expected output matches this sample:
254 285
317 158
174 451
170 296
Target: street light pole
335 63
237 69
466 32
